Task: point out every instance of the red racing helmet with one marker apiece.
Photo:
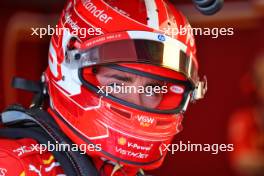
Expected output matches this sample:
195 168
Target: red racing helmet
136 38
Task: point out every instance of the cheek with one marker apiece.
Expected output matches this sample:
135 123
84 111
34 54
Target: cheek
102 81
151 102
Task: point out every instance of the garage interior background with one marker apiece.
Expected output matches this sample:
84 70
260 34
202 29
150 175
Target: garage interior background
225 60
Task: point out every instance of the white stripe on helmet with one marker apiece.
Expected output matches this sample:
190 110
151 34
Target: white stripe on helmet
153 17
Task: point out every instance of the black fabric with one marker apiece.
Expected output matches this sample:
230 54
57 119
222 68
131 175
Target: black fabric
36 87
27 85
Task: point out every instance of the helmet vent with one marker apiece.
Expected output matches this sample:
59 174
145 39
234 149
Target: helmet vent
121 112
162 123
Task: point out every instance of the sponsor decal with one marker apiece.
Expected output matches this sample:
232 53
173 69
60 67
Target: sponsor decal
23 149
130 153
103 39
52 166
121 11
122 141
139 147
3 171
73 24
145 121
96 12
34 169
161 37
48 161
22 174
176 89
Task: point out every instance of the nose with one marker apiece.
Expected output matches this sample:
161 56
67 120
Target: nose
134 98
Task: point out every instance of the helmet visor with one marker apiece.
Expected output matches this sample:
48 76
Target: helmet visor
137 89
165 54
169 94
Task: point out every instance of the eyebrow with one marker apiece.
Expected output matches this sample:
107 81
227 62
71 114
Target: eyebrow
120 78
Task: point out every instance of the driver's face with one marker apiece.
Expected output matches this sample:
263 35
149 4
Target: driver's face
110 77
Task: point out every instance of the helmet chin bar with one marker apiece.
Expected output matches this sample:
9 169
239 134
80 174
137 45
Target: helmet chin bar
200 90
186 103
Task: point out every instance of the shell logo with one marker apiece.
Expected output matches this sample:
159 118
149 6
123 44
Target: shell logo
122 141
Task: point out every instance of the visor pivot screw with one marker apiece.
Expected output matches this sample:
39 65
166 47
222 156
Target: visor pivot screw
77 56
42 78
94 70
63 78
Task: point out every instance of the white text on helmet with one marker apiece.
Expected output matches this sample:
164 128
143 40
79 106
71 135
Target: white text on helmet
96 12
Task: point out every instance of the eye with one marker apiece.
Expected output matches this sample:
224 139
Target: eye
114 85
153 90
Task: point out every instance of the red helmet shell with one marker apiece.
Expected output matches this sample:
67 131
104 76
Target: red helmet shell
126 135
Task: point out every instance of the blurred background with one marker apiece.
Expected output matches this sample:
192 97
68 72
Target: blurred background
226 61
